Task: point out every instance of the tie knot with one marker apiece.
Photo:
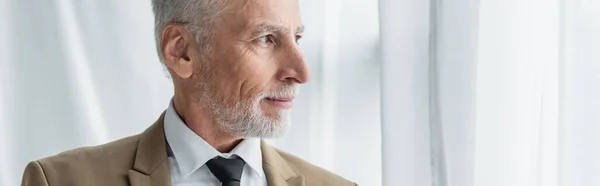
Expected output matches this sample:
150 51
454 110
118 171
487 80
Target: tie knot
226 170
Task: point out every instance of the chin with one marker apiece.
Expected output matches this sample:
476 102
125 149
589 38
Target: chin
277 129
276 116
266 121
274 125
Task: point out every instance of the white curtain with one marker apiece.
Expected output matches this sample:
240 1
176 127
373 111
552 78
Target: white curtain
490 92
77 73
404 92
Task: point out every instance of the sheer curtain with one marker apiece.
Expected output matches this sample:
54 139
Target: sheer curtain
404 92
490 92
77 73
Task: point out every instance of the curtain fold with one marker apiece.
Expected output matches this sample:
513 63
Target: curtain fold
405 37
5 51
455 52
580 94
507 99
517 93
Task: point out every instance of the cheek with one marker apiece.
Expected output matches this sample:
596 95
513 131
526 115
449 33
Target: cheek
246 75
255 77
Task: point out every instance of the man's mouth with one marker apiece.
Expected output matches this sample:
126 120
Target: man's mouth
281 102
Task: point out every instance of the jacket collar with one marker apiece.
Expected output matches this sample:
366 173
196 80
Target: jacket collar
277 169
151 167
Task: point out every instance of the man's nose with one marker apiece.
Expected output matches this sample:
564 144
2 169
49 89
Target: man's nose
294 67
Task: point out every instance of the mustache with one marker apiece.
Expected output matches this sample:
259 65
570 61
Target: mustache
287 91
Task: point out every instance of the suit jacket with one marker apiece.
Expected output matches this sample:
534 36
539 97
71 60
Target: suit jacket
141 160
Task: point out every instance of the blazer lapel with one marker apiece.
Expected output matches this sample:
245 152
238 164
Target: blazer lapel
277 170
151 167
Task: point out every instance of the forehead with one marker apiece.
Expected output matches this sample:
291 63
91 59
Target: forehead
245 14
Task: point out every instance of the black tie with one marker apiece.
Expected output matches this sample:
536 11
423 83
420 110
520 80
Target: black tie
228 171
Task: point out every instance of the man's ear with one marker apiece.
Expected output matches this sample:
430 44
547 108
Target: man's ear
174 43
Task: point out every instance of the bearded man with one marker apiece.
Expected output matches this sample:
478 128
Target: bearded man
236 67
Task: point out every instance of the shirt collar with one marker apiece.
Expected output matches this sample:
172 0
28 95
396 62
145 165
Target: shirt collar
191 151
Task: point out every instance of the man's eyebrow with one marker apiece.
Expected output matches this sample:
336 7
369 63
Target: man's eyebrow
273 28
267 28
300 29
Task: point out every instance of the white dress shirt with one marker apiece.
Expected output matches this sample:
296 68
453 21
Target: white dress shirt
188 154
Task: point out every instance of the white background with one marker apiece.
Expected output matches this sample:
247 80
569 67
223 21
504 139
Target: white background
404 92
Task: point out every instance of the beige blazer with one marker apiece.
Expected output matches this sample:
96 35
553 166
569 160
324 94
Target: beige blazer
141 160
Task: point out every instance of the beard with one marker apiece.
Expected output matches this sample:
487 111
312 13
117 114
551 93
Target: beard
244 117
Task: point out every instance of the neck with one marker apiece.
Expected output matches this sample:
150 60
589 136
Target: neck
197 119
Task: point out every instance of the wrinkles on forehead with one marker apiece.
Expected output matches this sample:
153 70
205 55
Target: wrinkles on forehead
254 17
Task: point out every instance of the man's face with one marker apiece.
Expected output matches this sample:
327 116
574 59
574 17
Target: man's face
250 76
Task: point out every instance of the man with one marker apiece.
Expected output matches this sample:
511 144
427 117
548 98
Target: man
235 65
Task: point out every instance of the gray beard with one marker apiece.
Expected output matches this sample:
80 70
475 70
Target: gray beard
243 118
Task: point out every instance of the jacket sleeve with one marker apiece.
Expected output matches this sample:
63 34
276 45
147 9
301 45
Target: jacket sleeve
34 175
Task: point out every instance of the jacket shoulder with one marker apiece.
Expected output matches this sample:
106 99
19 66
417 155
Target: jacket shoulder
119 147
313 174
94 164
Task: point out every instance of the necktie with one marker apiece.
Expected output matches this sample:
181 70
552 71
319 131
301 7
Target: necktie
228 171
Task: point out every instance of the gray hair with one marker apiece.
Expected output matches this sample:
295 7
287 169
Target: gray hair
197 16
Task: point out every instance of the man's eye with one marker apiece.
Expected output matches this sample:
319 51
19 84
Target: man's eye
298 37
266 40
